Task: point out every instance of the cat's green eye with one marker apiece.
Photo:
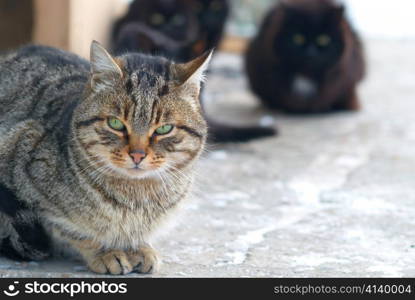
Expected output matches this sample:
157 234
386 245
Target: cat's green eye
165 129
299 39
116 124
157 19
323 40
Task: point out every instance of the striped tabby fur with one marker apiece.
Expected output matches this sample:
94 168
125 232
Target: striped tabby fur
67 176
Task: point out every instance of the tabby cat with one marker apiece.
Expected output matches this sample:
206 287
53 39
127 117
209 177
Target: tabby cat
181 30
306 58
95 156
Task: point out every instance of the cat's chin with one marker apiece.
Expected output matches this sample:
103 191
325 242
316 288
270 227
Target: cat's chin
134 173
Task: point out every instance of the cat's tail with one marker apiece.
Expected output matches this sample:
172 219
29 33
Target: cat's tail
22 237
222 133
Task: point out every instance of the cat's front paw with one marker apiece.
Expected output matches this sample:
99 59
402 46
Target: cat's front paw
116 262
113 262
145 260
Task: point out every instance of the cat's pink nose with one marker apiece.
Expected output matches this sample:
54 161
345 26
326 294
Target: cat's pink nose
137 156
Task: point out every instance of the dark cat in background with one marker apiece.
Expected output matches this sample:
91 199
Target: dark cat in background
306 58
182 30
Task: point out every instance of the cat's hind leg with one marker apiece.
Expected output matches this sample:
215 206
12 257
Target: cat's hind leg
22 236
349 102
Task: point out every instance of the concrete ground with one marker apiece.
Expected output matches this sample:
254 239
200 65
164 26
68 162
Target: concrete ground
332 195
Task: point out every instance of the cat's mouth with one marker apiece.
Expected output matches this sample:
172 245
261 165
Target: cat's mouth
137 172
136 169
134 173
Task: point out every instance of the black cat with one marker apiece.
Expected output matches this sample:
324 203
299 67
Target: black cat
182 30
306 58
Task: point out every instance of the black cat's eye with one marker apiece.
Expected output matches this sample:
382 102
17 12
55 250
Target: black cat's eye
298 39
178 20
157 19
323 40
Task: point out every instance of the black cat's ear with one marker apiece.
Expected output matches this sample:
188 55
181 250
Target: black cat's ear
284 4
338 12
104 69
287 9
193 72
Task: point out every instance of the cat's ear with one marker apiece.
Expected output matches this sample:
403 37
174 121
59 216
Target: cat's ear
284 4
104 69
338 12
287 11
193 72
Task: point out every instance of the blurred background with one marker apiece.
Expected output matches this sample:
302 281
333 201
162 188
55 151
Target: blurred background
72 24
373 19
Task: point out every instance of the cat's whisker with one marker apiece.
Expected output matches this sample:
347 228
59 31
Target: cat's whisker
173 170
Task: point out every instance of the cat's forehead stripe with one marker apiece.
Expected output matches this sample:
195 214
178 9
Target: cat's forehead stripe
150 75
147 81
